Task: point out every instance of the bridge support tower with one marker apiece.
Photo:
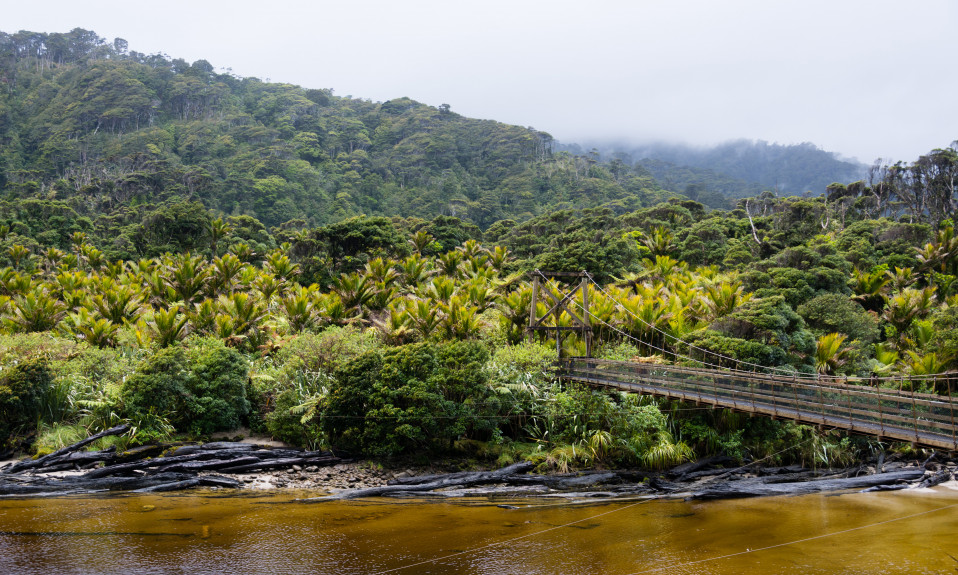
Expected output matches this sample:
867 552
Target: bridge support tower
558 302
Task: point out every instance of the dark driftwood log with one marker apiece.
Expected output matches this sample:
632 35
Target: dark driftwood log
193 466
156 468
142 452
692 466
229 459
685 477
459 480
120 469
758 486
936 478
219 481
174 486
320 461
214 446
565 481
420 479
53 457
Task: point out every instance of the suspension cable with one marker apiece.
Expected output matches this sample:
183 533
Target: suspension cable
679 340
704 351
675 354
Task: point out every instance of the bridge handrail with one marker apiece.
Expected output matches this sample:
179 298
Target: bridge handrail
781 374
865 407
843 401
838 382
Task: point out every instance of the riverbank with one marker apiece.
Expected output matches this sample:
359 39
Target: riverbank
258 464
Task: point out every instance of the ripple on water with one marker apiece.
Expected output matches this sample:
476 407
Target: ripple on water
205 532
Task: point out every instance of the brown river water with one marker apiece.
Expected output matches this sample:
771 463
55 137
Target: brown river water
214 532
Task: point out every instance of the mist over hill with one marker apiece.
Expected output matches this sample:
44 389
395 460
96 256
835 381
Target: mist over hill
734 169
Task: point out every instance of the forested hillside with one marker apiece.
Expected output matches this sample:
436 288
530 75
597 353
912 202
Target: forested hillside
96 134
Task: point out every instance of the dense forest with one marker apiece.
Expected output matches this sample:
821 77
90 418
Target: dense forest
102 135
190 251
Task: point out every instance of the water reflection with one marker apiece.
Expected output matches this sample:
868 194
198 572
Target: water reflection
206 532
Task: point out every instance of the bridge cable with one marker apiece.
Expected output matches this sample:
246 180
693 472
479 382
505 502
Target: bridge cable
679 340
675 354
689 345
629 336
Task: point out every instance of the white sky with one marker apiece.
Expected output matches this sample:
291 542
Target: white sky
865 78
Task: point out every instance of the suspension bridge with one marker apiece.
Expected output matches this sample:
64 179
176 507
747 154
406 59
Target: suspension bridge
881 407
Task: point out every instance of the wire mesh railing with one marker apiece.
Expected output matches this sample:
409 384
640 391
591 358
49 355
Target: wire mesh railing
869 406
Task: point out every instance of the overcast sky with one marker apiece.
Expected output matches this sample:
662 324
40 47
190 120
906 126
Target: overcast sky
864 78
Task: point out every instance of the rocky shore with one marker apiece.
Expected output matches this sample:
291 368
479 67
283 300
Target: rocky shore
339 477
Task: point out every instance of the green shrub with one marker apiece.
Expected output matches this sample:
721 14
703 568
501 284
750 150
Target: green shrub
282 424
418 396
293 419
160 385
217 388
326 350
22 389
619 351
199 391
296 378
832 312
14 347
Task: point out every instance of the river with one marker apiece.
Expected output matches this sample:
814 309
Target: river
215 532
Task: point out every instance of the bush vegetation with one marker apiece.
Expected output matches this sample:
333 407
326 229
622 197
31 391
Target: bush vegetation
349 274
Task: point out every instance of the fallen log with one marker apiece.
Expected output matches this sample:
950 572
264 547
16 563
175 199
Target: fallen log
286 462
936 478
52 457
78 460
420 479
120 469
142 452
204 465
699 474
894 487
218 481
692 466
173 486
564 482
759 486
85 457
214 446
459 480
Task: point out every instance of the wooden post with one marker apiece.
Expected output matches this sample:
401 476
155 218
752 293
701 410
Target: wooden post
881 415
586 324
795 395
558 337
951 408
914 411
848 395
532 307
821 396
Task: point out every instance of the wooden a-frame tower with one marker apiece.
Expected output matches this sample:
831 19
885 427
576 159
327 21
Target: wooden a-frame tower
558 302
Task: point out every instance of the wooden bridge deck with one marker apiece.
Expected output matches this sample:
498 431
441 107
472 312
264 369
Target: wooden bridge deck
860 406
